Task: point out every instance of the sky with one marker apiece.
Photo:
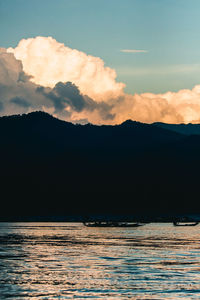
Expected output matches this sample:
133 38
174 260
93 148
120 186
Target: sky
167 29
150 47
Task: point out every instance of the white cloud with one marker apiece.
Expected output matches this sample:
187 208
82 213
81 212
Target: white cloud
133 51
49 62
19 95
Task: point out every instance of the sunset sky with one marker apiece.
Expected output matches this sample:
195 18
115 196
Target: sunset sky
145 55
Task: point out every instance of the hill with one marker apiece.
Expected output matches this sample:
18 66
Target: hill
51 168
187 129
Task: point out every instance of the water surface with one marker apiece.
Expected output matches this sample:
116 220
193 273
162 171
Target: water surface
68 260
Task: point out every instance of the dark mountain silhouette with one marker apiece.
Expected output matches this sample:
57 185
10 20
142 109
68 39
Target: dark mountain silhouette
187 129
54 168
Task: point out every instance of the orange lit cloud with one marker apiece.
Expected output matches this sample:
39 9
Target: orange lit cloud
78 87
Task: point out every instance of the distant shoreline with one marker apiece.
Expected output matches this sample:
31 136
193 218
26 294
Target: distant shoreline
80 219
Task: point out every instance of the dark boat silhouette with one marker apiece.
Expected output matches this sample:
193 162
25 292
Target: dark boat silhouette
112 224
185 224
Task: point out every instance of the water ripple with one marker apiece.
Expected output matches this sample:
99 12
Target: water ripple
65 261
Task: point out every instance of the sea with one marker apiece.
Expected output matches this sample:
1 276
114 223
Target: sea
71 261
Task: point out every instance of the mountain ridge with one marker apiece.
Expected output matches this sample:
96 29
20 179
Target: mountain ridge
50 167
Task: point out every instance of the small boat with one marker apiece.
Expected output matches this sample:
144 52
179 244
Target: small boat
111 224
185 224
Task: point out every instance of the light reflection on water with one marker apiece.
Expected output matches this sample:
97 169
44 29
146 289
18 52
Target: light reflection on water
68 260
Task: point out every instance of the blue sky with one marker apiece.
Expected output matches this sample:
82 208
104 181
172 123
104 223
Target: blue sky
168 29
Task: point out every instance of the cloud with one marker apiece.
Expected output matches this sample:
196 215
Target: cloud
171 107
23 92
66 95
20 101
1 106
68 101
50 62
19 95
133 51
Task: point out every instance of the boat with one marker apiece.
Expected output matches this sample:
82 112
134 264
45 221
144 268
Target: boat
112 224
185 224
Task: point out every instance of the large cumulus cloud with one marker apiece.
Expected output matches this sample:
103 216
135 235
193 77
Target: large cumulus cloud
50 62
41 73
18 94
